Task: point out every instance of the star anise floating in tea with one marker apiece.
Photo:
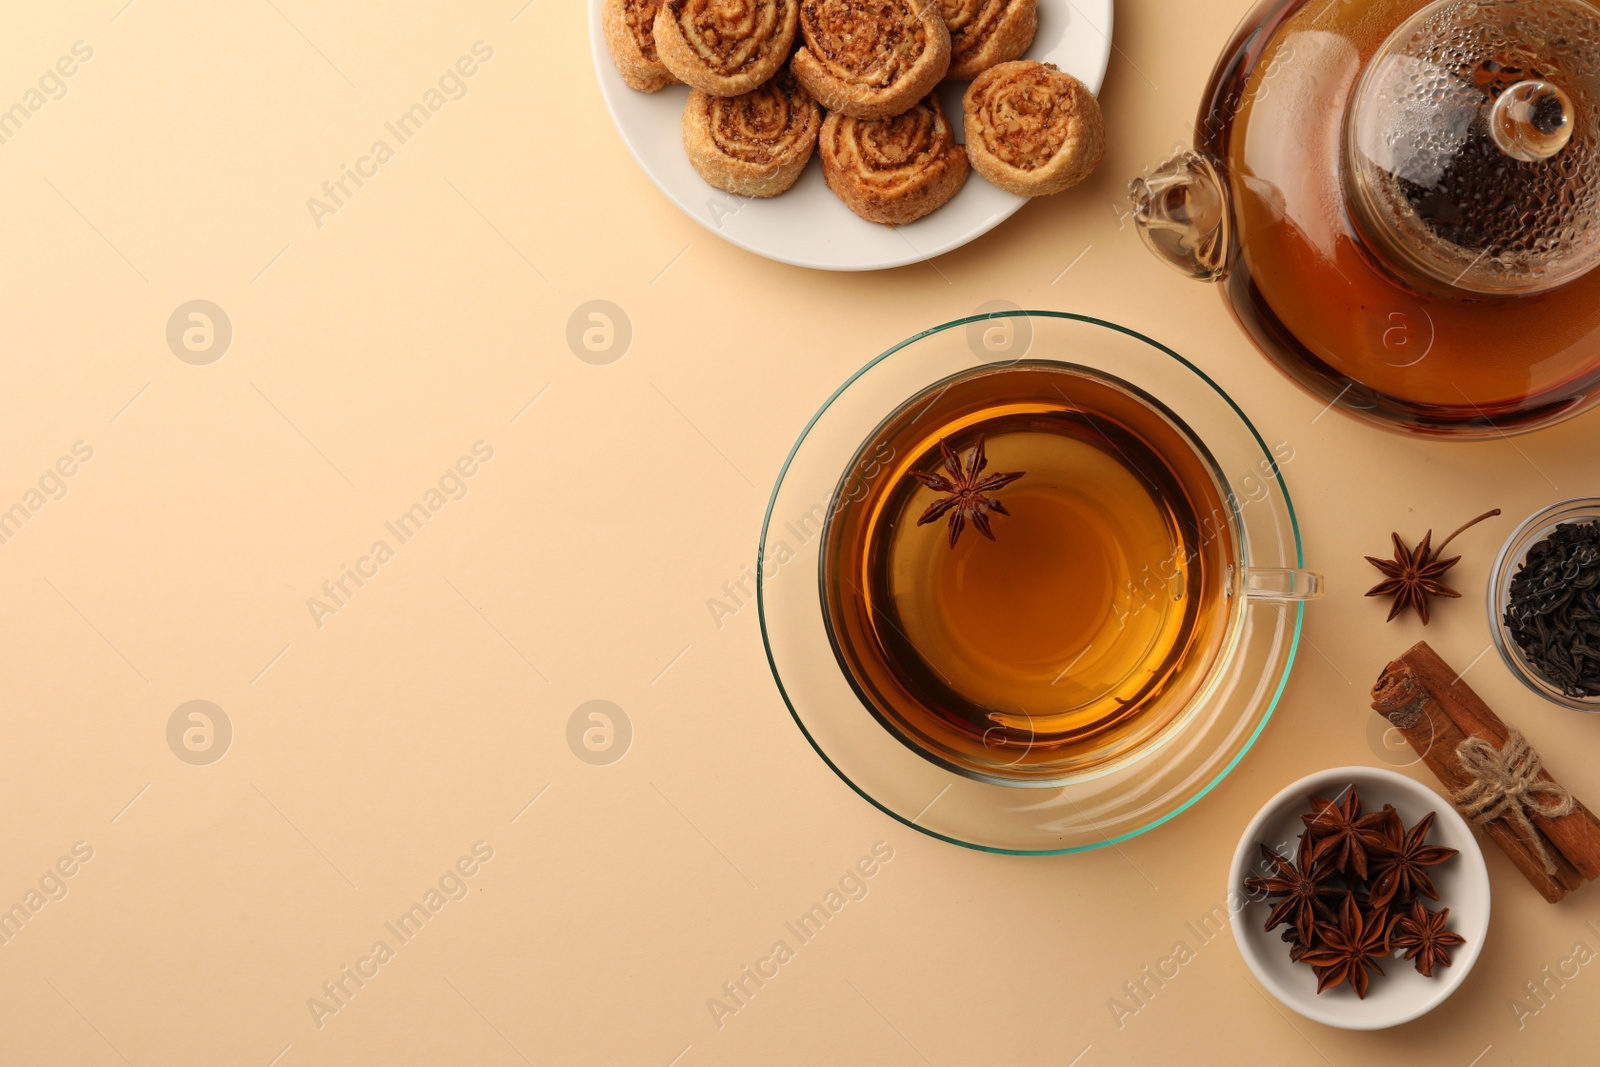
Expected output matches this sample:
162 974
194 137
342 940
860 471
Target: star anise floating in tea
967 499
1414 575
1354 893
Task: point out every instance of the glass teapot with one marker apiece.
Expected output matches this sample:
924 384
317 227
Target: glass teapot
1401 202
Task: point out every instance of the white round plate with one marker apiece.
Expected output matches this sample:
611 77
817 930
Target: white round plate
1400 994
808 226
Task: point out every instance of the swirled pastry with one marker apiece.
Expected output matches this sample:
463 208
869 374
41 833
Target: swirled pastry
725 47
986 32
630 38
1032 129
893 170
870 59
756 144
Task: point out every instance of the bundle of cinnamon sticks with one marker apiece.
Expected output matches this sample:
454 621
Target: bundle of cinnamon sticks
1425 699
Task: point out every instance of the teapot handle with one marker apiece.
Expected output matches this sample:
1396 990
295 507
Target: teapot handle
1182 212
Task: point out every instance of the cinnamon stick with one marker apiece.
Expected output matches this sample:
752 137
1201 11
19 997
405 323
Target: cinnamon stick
1577 835
1402 697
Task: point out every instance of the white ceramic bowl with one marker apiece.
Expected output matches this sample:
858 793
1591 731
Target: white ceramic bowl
1400 994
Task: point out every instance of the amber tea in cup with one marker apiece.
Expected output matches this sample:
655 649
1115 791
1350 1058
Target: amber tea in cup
1090 621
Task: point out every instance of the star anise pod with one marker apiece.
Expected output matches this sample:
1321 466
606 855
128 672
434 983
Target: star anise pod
1398 866
966 499
1301 888
1424 938
1298 947
1342 834
1414 575
1348 949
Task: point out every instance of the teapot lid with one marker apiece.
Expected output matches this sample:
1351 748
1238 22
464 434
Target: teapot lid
1472 145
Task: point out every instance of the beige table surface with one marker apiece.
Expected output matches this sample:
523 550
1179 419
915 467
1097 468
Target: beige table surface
377 744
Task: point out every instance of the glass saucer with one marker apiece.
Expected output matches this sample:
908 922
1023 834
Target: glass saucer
1132 796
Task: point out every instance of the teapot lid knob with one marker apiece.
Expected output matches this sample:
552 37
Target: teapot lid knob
1532 121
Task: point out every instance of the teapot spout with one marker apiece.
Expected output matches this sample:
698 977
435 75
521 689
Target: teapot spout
1181 210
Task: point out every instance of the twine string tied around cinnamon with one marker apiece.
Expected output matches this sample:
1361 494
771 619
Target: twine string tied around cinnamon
1505 785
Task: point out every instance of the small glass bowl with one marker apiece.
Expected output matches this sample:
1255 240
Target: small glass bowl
1531 532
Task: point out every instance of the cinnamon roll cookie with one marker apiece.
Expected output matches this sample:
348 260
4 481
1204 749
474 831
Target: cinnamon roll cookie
986 32
630 38
893 170
870 59
756 144
1032 129
725 47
